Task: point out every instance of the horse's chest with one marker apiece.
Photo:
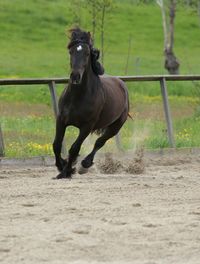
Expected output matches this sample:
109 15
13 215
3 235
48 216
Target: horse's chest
78 113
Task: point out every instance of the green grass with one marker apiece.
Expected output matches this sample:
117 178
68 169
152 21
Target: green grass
26 137
32 134
33 44
33 38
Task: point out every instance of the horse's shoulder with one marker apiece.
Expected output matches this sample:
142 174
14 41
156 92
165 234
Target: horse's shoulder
109 79
112 82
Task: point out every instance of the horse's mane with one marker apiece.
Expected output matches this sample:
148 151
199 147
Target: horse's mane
79 36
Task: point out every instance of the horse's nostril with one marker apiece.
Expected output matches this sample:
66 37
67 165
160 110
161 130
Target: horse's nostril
75 78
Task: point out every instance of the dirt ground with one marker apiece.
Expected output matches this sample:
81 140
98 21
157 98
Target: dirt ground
125 210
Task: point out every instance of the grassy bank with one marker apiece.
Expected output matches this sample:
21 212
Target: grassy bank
33 38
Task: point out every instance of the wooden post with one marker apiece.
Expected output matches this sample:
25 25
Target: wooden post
2 149
168 118
54 98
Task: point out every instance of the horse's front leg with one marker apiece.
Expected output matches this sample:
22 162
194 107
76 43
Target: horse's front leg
57 144
73 153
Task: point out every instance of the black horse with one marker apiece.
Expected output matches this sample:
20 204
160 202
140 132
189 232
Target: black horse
90 102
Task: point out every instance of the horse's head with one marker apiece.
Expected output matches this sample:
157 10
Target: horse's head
81 54
79 59
79 50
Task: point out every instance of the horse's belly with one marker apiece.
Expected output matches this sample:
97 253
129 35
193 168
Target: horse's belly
110 114
80 116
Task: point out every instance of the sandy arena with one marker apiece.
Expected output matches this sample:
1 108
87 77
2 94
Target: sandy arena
130 210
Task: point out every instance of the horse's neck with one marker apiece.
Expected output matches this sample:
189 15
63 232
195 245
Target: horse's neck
89 78
89 83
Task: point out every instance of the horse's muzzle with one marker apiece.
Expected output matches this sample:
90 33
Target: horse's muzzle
75 78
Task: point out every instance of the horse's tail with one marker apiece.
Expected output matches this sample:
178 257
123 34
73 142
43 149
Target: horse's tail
129 115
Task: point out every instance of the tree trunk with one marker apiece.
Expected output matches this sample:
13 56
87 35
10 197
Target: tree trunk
93 20
102 32
171 62
128 55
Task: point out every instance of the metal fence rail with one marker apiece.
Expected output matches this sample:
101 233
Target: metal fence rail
145 78
51 82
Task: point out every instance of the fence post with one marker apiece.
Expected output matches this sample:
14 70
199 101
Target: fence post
52 89
118 142
54 98
2 149
168 118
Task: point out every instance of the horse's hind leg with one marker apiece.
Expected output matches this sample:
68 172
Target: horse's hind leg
57 144
110 131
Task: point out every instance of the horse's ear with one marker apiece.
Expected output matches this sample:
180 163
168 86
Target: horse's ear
73 35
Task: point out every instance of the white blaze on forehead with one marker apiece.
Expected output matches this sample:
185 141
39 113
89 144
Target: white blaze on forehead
79 48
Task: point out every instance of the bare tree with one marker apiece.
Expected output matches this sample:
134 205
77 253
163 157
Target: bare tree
93 7
128 55
105 6
98 10
171 62
76 10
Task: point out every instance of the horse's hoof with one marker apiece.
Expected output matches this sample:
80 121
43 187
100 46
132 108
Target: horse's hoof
62 176
82 170
61 165
72 170
66 174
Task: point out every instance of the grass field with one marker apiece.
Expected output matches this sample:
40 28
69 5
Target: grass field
29 128
33 44
33 38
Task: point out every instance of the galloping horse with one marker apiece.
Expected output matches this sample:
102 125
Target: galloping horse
90 102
